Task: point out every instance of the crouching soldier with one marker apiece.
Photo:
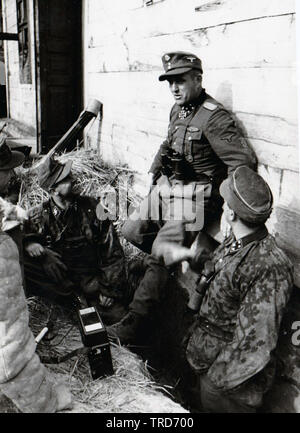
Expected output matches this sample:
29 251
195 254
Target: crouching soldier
232 342
69 250
23 378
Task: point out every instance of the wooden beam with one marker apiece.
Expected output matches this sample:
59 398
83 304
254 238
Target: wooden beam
9 36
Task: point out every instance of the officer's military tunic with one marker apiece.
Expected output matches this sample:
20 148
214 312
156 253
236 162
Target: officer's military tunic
209 140
90 248
237 328
211 145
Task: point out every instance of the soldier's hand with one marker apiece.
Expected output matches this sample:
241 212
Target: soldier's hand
53 266
35 249
105 301
64 396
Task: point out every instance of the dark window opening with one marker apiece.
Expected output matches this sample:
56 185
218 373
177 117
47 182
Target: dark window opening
24 42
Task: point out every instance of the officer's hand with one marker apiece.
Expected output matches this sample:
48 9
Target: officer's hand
64 396
35 249
53 266
105 301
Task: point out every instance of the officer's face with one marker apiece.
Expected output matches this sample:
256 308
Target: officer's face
185 88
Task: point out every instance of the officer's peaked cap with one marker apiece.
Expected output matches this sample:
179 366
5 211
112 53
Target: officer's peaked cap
178 63
247 193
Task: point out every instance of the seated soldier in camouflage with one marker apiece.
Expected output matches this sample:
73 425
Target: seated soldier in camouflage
231 345
23 378
69 251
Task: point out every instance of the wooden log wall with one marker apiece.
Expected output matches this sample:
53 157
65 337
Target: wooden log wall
248 49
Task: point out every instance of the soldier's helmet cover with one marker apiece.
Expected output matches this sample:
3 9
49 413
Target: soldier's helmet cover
248 194
179 62
52 172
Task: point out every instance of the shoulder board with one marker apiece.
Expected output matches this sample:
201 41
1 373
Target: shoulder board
210 105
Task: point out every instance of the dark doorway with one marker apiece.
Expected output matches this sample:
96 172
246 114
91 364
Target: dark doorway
3 102
59 68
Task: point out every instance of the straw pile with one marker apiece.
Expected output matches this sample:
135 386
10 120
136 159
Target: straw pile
131 388
113 186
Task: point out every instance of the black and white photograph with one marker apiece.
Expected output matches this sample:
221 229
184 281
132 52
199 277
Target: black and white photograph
149 209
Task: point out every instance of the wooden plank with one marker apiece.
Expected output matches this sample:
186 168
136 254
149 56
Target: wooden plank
287 233
273 176
173 16
268 128
274 155
217 48
231 87
290 190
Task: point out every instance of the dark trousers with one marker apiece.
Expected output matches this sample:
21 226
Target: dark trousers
246 398
39 284
147 229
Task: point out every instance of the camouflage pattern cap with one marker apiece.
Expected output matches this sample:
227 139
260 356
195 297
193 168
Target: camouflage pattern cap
247 193
178 63
9 159
51 172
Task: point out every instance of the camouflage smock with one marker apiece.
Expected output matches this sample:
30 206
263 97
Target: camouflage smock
98 251
239 319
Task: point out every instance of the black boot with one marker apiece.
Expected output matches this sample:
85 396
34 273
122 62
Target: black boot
127 329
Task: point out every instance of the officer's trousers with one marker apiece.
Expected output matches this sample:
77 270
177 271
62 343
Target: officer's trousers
157 222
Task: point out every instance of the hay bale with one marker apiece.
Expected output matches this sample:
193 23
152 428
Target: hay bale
131 389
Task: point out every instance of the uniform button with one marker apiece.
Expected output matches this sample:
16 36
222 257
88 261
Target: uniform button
190 138
220 260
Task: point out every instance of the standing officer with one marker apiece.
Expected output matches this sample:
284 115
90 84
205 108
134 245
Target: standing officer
232 342
202 145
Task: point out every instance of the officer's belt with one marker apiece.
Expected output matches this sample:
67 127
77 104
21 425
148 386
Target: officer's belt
203 178
200 178
214 330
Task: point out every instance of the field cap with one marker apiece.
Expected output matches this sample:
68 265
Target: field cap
247 193
179 62
53 172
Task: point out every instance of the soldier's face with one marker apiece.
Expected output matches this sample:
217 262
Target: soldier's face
65 187
228 213
185 88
